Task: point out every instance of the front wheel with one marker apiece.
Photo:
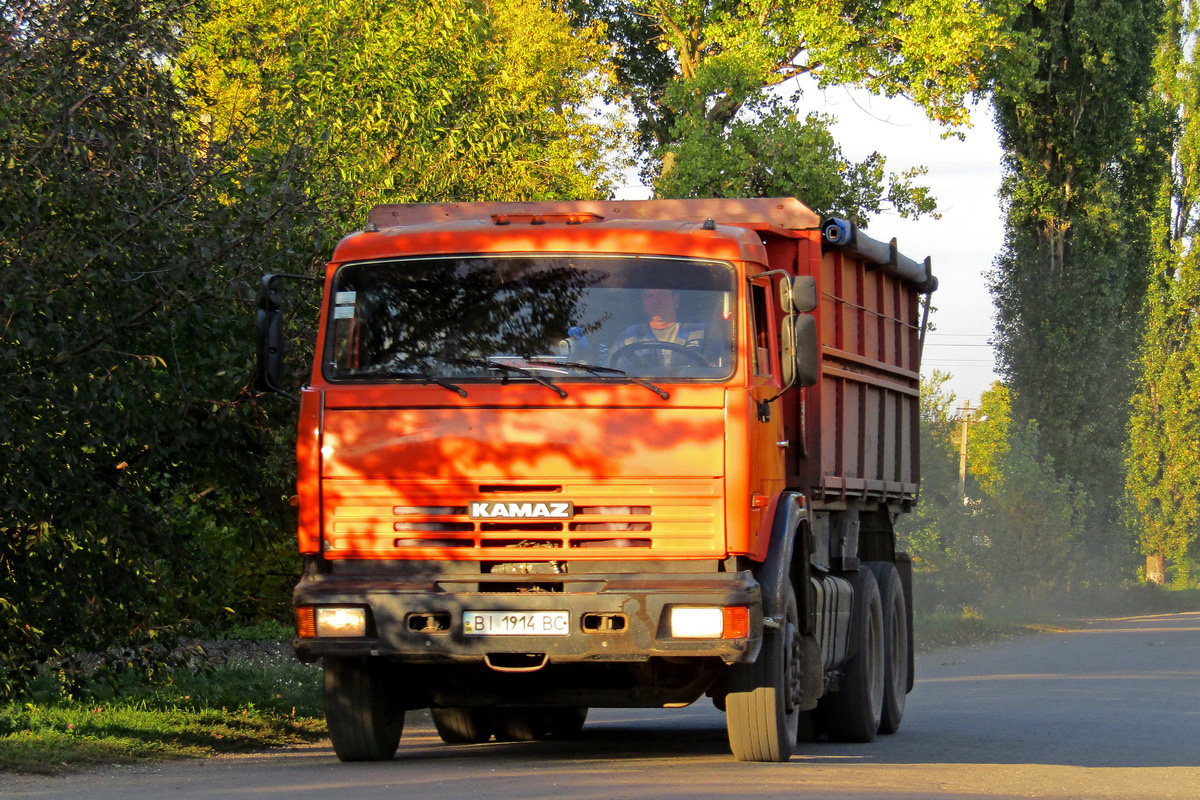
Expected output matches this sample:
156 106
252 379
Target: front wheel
362 709
762 706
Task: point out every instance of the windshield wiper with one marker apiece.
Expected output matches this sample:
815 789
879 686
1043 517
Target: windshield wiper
507 368
425 377
597 370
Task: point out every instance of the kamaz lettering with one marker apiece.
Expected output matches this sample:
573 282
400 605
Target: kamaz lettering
481 510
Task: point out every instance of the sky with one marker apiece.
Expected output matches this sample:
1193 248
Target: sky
964 176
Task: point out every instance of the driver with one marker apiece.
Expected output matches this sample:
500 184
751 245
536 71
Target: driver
663 325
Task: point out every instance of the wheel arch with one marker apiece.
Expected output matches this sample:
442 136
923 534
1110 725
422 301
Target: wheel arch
788 560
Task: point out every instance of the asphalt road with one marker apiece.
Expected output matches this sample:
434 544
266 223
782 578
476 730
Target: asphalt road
1112 711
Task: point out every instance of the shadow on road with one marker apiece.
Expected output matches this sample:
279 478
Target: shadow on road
1121 693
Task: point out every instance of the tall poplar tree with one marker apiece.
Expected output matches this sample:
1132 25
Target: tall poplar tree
1083 146
1164 444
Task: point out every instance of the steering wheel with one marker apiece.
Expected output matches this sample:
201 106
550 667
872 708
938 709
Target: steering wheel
629 353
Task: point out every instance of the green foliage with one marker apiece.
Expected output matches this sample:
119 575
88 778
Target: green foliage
404 102
778 154
703 76
1032 518
155 159
1163 463
989 439
939 534
132 457
1164 443
1013 537
1086 145
1068 107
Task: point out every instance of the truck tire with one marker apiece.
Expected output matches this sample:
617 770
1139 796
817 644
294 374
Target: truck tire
565 723
895 644
362 709
518 724
762 706
462 725
538 724
852 713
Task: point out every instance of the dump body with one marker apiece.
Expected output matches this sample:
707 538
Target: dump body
561 439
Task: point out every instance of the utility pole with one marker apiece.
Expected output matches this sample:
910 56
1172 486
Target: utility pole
964 414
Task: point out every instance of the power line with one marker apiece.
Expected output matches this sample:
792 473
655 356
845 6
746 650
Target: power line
938 335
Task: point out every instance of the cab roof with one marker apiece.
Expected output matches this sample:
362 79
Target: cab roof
431 233
783 212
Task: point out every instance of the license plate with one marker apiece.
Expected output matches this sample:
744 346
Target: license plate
510 623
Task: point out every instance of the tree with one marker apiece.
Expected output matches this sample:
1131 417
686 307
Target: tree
155 160
705 79
1032 518
1013 537
1163 463
940 533
408 102
1164 443
131 457
1029 515
990 437
1084 144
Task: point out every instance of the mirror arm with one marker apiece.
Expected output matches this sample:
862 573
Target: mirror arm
271 387
769 273
781 392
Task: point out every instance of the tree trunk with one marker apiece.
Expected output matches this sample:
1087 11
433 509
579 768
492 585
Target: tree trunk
1156 569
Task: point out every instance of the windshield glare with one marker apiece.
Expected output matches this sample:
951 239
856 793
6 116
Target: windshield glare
458 318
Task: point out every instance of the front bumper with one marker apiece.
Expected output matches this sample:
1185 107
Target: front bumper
398 605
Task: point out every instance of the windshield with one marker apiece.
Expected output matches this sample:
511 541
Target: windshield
475 318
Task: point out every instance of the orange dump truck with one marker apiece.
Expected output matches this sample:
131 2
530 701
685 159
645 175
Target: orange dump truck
565 455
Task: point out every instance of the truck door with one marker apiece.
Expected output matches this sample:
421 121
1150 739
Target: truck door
767 448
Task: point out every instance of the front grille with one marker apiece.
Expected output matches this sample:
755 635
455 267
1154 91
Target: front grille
367 519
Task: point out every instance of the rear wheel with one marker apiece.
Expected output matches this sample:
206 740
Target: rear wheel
895 645
462 725
538 724
565 723
762 706
853 712
362 709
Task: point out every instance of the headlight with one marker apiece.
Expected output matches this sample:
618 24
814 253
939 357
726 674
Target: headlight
334 622
732 622
697 623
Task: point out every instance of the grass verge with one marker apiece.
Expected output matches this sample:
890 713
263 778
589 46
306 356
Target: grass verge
936 631
1061 612
246 704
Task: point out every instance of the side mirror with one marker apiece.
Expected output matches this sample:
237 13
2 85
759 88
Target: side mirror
800 351
798 295
269 369
808 351
804 294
